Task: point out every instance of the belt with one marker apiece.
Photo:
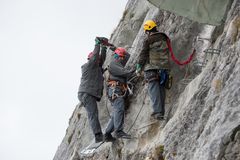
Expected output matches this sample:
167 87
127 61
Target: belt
113 83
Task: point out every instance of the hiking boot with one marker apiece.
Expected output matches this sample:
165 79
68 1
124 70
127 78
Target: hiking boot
109 138
121 134
98 137
157 116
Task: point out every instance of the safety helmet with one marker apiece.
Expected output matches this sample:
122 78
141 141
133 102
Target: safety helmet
120 52
148 25
90 55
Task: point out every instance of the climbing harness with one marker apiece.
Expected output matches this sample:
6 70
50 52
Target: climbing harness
152 75
114 86
130 85
130 88
126 88
163 76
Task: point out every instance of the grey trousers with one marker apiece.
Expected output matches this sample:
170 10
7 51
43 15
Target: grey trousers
117 117
156 93
90 104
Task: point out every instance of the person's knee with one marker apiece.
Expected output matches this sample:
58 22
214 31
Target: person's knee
119 107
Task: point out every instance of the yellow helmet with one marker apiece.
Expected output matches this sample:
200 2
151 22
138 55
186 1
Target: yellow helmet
148 25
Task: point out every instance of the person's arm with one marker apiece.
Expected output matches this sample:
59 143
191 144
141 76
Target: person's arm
118 70
103 55
143 56
113 48
95 58
100 59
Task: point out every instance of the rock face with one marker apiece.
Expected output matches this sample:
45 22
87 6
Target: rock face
202 107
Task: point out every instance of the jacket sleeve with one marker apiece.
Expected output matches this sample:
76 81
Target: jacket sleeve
144 54
95 58
113 48
103 55
118 70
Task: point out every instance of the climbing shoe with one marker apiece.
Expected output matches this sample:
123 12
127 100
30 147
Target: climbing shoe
157 116
98 137
109 138
121 134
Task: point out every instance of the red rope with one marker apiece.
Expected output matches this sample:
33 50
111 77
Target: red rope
175 59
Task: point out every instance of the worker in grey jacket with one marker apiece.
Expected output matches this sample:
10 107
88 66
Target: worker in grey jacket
91 87
117 91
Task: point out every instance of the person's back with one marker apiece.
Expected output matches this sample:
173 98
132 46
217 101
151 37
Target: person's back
92 78
158 52
91 87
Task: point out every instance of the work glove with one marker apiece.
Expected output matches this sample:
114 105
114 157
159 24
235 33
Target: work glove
113 48
97 41
138 69
103 40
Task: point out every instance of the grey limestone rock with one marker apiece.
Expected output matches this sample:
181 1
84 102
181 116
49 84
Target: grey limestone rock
202 107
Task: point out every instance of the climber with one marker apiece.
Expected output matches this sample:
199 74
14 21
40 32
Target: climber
117 92
155 57
91 87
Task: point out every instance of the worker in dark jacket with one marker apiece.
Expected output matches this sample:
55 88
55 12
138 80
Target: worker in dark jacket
155 59
91 87
117 90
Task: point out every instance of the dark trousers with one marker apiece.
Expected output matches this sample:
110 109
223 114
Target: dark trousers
117 117
156 92
90 104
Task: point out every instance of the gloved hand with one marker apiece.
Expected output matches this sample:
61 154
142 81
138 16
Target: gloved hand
97 41
113 48
138 69
103 40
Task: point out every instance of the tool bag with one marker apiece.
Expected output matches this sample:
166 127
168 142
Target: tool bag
162 75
